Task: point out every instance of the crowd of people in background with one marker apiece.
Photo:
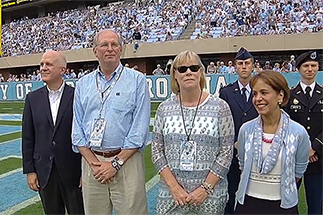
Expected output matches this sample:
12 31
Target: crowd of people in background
264 17
220 67
75 29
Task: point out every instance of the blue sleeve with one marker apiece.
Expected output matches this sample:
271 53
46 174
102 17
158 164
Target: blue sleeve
78 134
139 131
302 153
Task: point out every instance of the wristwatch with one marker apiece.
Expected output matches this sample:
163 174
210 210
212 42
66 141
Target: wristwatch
115 164
119 160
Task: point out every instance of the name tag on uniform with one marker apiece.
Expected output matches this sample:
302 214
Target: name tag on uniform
295 107
188 156
97 131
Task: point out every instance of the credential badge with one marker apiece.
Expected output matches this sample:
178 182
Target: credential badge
295 101
313 56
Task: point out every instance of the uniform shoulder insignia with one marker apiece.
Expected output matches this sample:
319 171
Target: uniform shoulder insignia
228 85
293 87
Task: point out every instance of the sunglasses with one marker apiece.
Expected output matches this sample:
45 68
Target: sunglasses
183 69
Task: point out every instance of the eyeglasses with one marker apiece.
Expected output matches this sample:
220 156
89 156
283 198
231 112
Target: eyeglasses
106 45
183 69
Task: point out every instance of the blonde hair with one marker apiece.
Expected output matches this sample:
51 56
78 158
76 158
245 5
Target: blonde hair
181 58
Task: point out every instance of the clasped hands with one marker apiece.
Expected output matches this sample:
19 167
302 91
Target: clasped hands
195 198
103 172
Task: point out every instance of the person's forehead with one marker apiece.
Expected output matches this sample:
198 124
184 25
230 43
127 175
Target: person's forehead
310 62
246 60
108 35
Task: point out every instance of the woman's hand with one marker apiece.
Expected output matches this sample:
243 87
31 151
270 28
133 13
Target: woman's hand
197 197
179 195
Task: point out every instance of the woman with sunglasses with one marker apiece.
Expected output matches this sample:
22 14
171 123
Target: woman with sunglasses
273 151
192 143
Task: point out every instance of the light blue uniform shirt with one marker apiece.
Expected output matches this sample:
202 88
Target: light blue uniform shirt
126 110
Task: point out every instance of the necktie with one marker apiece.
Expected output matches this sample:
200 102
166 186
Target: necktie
244 95
307 94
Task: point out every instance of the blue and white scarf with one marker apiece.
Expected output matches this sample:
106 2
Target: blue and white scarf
266 165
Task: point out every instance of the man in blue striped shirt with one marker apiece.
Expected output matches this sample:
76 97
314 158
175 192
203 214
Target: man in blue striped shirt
110 129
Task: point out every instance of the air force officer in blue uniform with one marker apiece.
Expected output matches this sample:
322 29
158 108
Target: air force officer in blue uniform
239 97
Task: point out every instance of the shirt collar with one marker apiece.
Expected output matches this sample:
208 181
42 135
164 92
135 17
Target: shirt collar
303 86
60 89
248 88
116 71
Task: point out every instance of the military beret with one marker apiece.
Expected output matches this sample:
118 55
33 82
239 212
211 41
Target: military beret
243 54
307 56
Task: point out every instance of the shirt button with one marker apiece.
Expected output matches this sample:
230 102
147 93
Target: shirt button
295 111
308 118
54 143
308 127
51 157
245 114
309 111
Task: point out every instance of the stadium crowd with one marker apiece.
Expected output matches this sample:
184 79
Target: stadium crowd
263 17
213 68
75 29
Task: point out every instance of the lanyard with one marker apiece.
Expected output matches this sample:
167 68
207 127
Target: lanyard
106 93
189 134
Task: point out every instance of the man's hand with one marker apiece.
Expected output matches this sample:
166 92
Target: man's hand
104 172
312 152
179 195
32 180
313 157
197 197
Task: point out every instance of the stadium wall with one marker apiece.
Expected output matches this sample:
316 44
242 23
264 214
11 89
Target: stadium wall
159 86
270 43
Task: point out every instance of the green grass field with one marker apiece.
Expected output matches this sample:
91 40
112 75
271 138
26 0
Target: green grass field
14 163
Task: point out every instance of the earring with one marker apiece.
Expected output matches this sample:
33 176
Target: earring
279 102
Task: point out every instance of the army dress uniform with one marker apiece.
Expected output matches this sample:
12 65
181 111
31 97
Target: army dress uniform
309 114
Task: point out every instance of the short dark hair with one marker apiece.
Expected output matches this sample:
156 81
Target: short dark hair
275 80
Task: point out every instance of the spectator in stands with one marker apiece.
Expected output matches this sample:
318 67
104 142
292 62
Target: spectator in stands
267 66
158 70
230 68
257 69
135 67
72 74
285 67
211 68
80 73
222 68
34 76
192 158
38 75
127 65
169 36
276 67
168 66
136 36
1 78
292 63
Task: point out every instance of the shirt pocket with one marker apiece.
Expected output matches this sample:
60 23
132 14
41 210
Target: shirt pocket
123 101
